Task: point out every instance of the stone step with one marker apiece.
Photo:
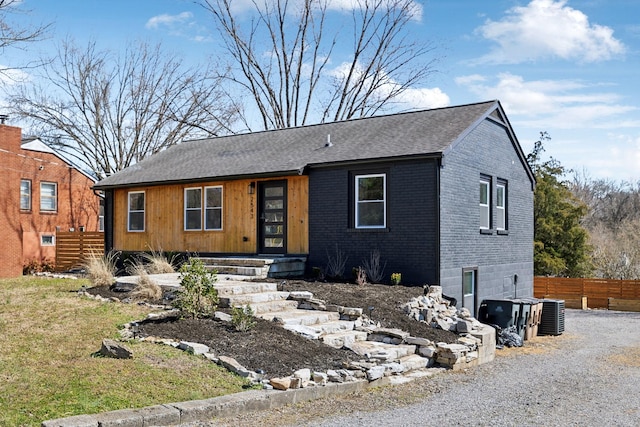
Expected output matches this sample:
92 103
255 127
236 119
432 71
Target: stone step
414 361
343 338
278 306
236 261
334 327
229 288
301 317
378 351
255 272
244 299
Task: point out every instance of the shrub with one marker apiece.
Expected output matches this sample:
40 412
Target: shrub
374 268
396 278
336 263
101 269
361 276
38 266
197 296
242 318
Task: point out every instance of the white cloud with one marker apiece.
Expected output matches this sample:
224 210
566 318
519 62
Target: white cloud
541 103
166 20
548 29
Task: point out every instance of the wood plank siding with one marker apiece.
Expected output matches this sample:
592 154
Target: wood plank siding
164 219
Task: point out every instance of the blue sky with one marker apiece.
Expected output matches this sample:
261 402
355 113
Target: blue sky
569 68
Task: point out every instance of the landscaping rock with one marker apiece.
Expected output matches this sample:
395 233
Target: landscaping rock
115 350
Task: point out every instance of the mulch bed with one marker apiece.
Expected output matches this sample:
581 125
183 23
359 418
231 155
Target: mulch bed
278 352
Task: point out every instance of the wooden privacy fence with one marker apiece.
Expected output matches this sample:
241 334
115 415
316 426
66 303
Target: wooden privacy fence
593 293
72 247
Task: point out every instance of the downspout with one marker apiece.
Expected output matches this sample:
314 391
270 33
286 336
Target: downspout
439 166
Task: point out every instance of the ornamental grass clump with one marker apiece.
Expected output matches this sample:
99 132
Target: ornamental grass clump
157 263
101 269
146 288
197 296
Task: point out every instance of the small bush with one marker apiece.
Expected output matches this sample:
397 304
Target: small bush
38 266
336 263
197 296
374 267
396 278
242 318
101 269
361 276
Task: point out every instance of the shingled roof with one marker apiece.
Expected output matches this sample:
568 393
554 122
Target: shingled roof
290 151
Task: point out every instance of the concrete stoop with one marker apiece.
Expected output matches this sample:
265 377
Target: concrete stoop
258 267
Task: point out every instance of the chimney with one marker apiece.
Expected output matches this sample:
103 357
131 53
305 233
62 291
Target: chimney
3 118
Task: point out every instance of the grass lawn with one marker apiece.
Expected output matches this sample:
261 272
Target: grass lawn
47 337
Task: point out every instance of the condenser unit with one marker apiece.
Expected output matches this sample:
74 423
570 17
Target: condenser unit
552 319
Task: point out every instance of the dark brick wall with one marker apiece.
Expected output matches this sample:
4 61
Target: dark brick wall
486 151
407 245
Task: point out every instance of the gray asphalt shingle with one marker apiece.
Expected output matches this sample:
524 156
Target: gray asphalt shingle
288 150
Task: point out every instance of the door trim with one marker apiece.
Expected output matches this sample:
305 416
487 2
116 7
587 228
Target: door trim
261 228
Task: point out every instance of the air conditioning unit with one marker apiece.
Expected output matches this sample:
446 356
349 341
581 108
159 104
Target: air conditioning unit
552 319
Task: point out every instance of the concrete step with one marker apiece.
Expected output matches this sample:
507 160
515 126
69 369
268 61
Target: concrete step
244 299
255 272
377 351
258 267
229 288
343 338
236 261
301 317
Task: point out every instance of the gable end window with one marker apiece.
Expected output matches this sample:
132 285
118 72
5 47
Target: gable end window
136 211
485 203
371 201
48 196
193 209
25 195
213 208
501 205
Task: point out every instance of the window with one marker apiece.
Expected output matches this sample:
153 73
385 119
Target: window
468 282
371 205
47 240
136 211
48 196
101 216
193 209
485 198
213 208
25 195
501 205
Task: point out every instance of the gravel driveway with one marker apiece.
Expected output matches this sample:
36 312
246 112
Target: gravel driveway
590 375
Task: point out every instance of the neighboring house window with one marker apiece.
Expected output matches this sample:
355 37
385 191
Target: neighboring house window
501 205
25 195
47 240
193 209
48 196
485 198
371 203
136 211
101 216
213 208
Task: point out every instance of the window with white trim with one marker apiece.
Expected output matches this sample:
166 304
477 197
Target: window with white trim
48 196
485 200
371 201
193 208
25 195
501 205
47 240
213 208
101 215
136 211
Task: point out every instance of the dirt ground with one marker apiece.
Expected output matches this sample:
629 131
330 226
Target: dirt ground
278 352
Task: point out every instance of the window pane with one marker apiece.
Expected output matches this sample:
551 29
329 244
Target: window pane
47 240
48 196
500 219
500 196
274 204
467 282
484 193
25 195
193 219
214 197
272 242
274 217
136 221
371 188
274 191
194 198
371 214
136 201
213 219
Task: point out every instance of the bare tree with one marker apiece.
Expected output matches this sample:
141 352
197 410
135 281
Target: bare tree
14 36
281 57
109 111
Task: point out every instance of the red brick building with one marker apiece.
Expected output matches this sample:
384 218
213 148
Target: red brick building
40 193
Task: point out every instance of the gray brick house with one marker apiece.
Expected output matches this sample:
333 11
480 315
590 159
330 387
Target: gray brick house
444 196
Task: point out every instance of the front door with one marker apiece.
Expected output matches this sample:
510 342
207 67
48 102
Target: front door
272 227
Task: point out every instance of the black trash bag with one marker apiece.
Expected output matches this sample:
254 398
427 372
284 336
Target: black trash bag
509 337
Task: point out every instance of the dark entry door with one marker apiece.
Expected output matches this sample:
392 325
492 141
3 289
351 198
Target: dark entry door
273 217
